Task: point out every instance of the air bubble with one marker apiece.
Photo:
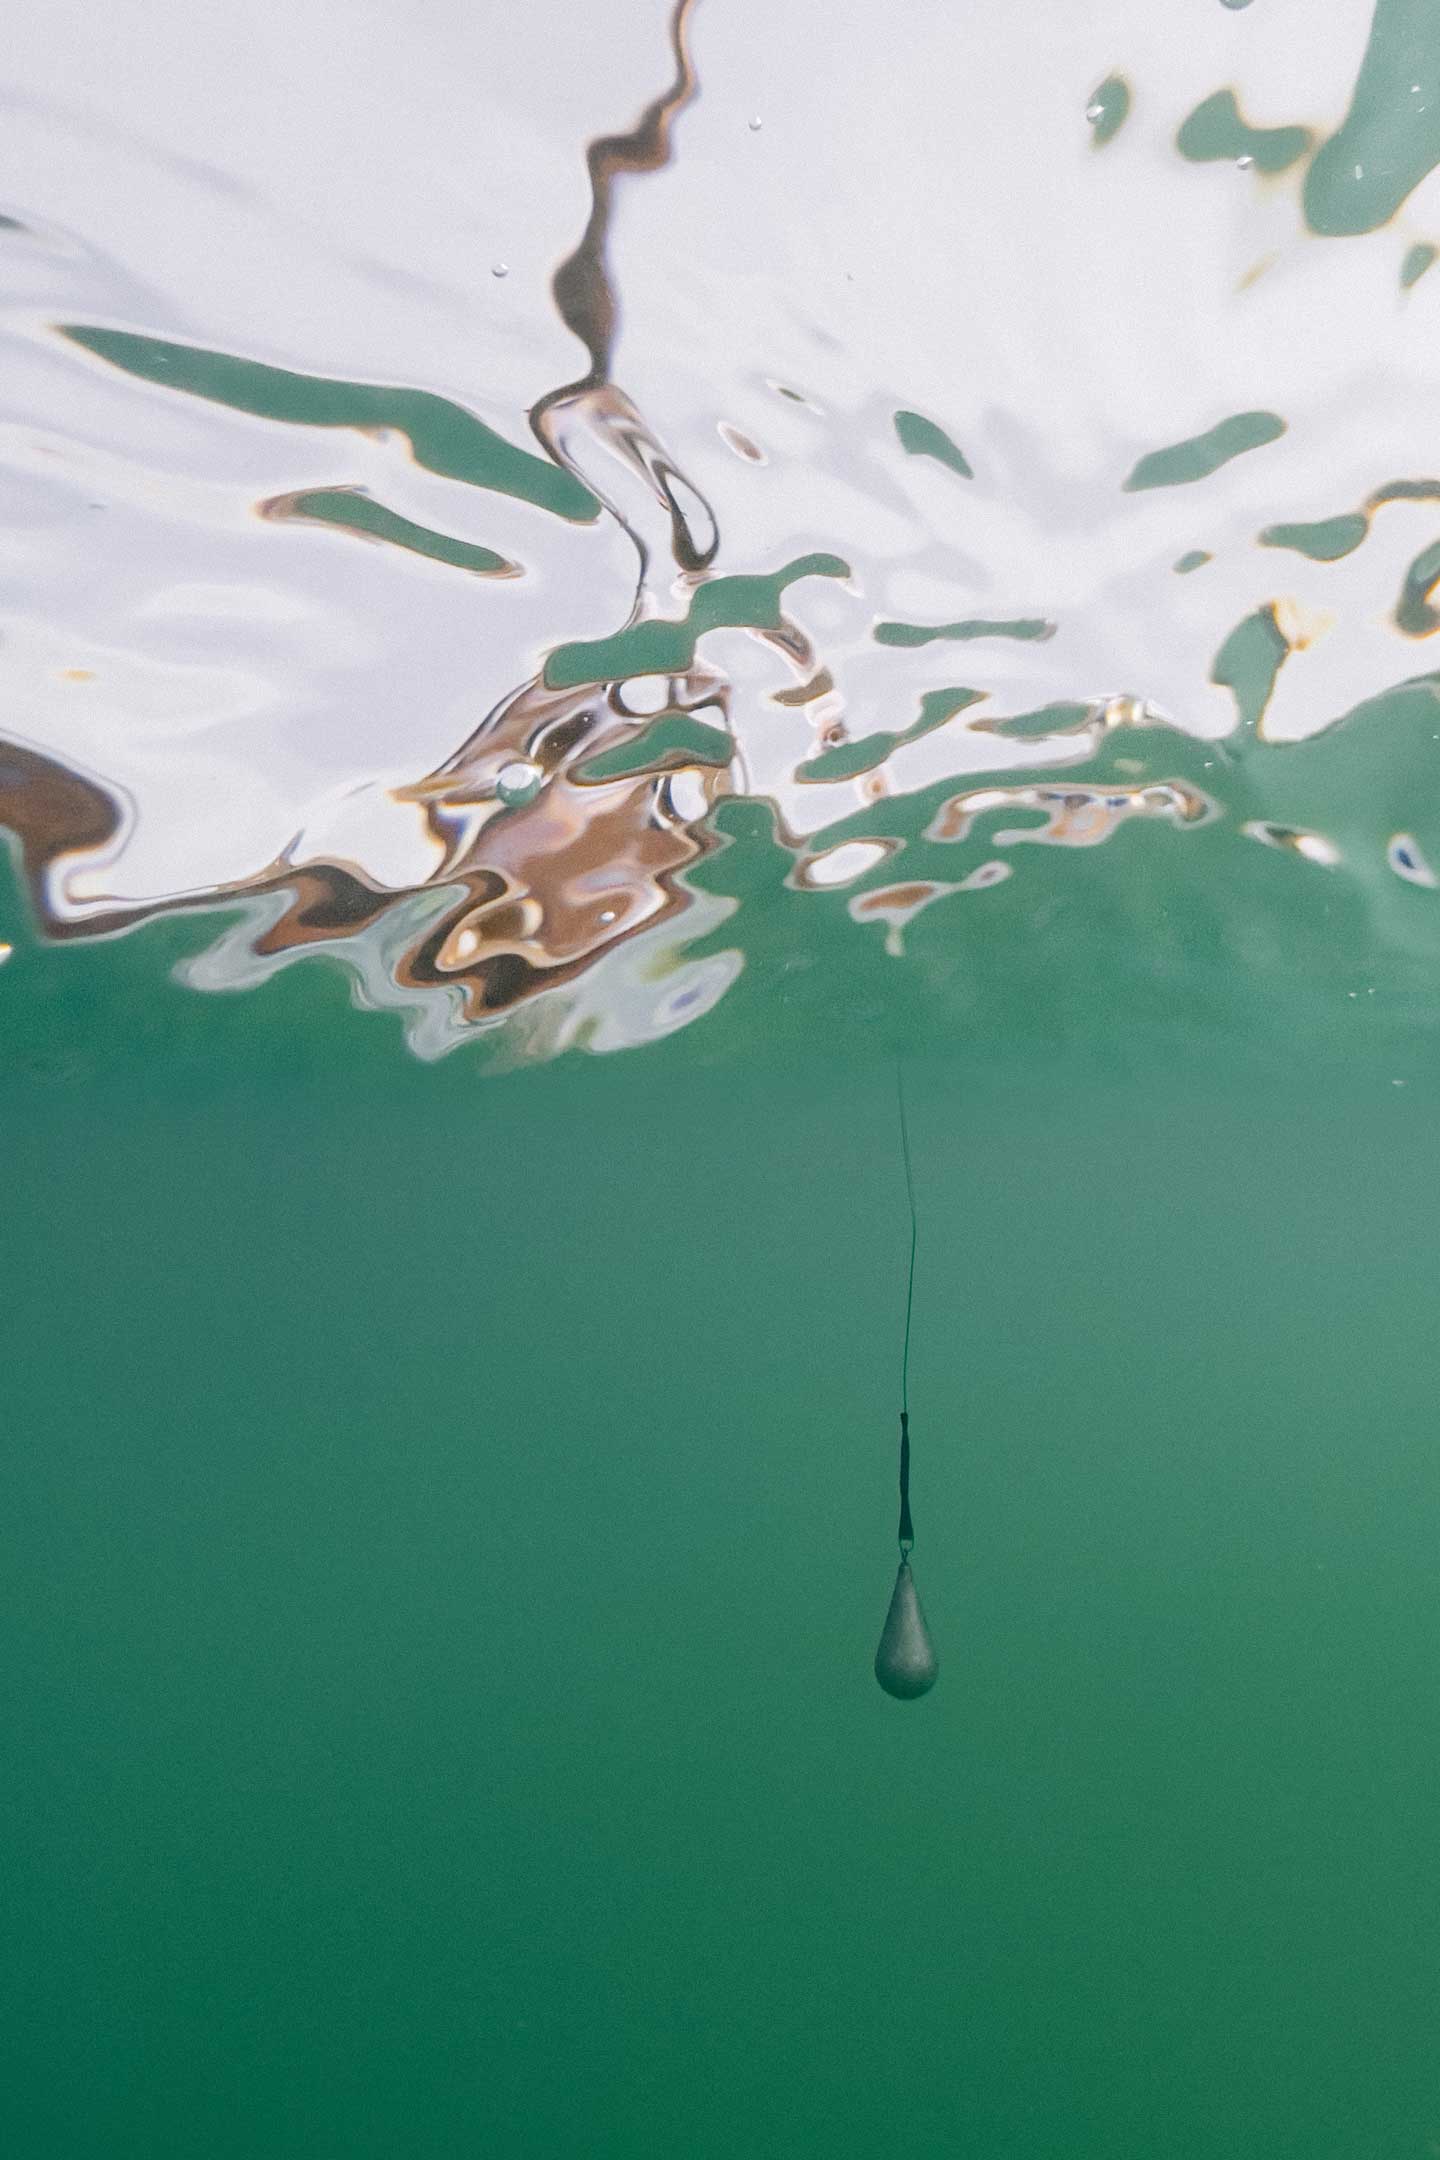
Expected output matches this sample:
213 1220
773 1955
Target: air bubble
499 269
1407 860
755 123
518 782
645 694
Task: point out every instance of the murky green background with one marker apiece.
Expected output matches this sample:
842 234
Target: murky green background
448 1520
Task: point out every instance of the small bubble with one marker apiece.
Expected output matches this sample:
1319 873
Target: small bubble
5 951
1397 1083
499 269
645 694
1095 111
607 914
1359 172
755 123
518 782
1243 164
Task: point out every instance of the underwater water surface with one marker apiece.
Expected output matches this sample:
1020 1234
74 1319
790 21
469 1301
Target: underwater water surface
577 585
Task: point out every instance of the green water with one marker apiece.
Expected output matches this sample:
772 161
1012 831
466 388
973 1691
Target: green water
449 1499
1186 462
448 1521
1216 131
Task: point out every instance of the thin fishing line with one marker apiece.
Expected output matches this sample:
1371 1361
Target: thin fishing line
914 1235
907 1527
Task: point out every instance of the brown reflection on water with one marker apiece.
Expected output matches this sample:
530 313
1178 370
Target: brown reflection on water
537 890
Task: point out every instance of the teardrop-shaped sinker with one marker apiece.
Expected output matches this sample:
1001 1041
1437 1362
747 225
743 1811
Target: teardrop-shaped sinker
905 1663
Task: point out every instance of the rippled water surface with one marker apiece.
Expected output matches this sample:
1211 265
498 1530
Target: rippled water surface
431 521
763 539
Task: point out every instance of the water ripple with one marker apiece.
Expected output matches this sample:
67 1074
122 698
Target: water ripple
985 516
